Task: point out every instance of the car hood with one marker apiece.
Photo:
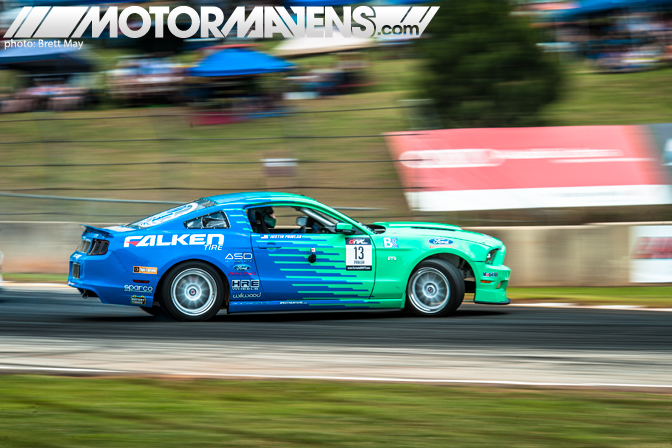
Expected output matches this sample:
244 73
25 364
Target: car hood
432 229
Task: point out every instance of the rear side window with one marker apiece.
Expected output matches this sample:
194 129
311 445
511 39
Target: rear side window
216 220
171 214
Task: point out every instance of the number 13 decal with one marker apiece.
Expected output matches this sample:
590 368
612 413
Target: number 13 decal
360 257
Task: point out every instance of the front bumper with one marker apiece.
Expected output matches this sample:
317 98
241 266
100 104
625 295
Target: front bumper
491 285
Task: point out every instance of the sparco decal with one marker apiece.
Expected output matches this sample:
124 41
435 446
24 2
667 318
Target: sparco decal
138 288
209 241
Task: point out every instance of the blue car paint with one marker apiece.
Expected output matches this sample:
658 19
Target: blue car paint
285 281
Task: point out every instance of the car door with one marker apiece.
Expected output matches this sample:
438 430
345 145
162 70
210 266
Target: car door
340 275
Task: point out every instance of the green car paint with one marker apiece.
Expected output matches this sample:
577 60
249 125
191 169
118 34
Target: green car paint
394 263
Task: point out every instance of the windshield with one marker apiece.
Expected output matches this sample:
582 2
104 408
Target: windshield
171 214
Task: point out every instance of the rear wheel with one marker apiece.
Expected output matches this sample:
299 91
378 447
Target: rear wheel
193 291
436 288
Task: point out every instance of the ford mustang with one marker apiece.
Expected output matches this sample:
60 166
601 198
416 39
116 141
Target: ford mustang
260 252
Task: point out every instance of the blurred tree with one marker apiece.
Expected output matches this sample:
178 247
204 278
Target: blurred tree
483 68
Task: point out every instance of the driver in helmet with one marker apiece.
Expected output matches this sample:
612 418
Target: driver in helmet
264 219
269 217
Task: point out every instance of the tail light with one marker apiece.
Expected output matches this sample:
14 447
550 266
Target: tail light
99 247
84 246
75 270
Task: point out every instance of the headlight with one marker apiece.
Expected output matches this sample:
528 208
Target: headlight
491 256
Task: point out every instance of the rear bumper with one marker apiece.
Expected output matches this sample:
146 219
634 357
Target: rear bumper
105 278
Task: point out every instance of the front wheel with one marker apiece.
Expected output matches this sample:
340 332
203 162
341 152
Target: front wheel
193 291
436 288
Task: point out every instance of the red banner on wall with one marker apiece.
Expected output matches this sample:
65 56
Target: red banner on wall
510 168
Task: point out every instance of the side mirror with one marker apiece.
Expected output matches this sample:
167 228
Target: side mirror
344 227
302 221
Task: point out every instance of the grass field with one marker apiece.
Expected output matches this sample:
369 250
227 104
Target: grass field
588 98
80 412
651 296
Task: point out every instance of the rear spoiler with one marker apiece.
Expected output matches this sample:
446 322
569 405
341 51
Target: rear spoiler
91 229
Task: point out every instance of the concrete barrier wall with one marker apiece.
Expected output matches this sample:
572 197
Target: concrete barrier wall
591 255
43 247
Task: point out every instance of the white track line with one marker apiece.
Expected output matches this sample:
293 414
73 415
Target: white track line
339 378
10 284
592 307
60 369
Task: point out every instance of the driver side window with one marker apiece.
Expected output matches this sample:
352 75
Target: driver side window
287 220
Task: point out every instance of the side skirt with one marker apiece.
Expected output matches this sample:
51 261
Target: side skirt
313 305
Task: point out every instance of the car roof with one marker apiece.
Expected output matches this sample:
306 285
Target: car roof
256 196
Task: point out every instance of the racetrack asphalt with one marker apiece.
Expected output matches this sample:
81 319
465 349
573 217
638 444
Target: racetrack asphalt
54 330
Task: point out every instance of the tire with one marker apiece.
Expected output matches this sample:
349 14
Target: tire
435 288
193 291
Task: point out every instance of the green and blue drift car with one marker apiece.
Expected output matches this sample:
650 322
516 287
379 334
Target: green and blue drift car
260 252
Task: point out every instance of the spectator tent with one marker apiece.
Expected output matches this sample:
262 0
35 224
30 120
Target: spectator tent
45 60
239 61
587 8
303 46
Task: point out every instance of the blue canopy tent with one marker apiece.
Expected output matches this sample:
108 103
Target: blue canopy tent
45 60
239 61
588 8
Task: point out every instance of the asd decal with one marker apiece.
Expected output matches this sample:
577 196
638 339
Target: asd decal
239 256
212 241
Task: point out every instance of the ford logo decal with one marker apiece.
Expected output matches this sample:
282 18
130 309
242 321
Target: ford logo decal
241 267
441 241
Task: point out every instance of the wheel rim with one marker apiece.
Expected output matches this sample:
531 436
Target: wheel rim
430 290
193 292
